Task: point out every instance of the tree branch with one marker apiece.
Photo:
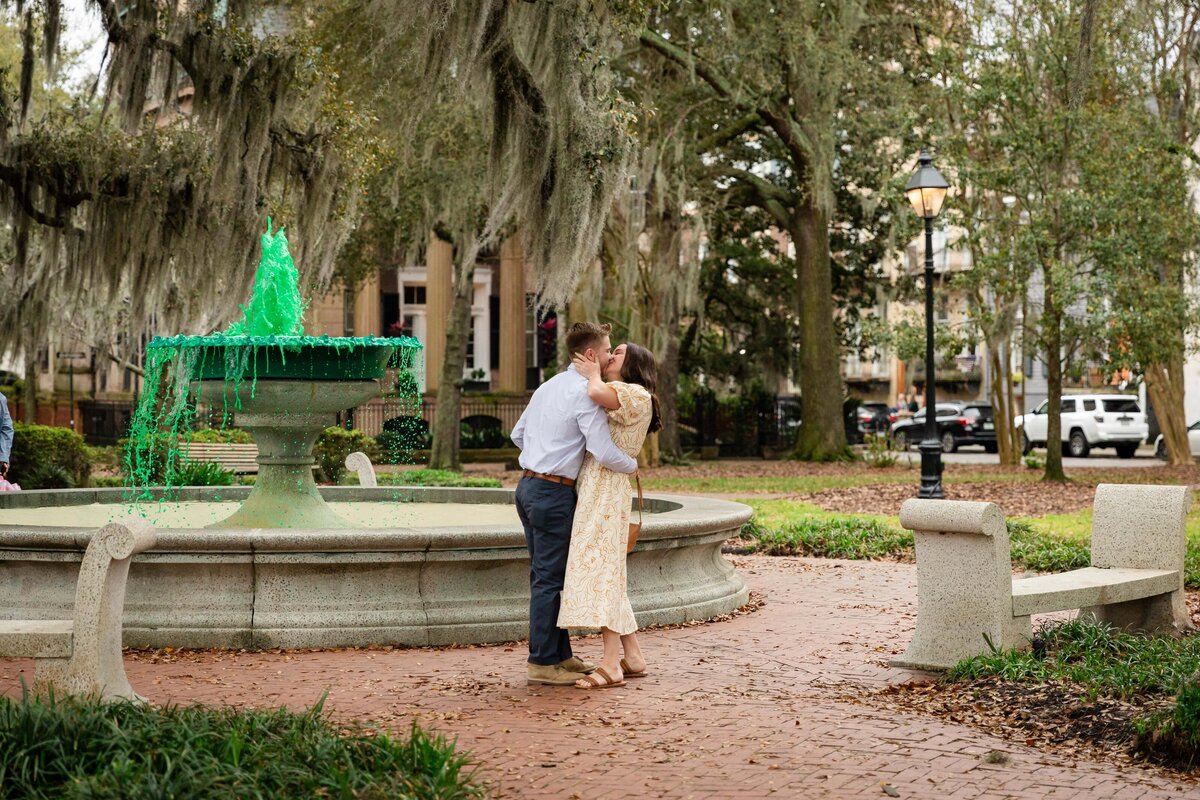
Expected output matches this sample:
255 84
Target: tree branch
748 121
773 199
720 84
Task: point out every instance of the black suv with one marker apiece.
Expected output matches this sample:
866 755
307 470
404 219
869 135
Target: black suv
958 424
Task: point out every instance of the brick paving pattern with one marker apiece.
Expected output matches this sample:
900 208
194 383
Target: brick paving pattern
745 708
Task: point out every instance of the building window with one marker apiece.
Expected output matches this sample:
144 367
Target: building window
348 313
470 362
414 295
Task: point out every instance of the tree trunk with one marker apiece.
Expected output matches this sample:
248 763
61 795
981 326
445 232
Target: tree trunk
650 454
1052 322
822 430
1002 417
668 396
1010 399
30 394
1164 384
443 453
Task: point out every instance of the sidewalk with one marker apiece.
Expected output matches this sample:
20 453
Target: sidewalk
739 709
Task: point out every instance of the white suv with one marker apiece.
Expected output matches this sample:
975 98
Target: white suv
1090 420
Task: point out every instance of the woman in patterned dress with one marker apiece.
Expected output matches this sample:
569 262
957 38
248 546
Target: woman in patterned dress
594 594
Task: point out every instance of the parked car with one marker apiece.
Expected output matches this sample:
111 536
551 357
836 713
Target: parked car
958 424
874 417
1160 446
1089 421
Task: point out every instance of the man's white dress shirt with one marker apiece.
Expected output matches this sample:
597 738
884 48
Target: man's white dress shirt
559 423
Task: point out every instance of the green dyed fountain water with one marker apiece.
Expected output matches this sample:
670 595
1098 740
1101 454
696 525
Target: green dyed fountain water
281 385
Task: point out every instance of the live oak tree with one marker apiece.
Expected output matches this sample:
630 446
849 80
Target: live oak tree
789 84
125 210
1151 237
558 137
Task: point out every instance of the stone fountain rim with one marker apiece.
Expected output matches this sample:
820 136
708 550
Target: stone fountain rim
670 517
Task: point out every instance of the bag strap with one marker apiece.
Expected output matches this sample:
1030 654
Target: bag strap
641 500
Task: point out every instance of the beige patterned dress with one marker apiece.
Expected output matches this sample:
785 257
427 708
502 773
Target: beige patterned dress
594 595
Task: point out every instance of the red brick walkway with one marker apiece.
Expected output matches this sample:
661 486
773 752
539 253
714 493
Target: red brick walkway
738 709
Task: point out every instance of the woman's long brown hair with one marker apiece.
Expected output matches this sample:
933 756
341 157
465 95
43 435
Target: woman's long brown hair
640 367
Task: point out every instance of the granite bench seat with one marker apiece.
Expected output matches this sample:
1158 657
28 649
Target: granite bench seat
1090 586
82 655
36 638
968 601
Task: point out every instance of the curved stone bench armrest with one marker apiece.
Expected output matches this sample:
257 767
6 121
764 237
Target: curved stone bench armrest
1142 527
96 664
964 582
358 462
953 516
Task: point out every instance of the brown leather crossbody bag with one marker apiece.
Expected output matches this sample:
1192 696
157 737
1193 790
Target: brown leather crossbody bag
636 527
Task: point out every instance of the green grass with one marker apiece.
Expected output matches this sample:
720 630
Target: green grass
75 748
1048 544
1109 663
434 477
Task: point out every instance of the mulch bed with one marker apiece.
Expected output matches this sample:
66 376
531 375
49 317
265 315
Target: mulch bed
1016 498
1055 716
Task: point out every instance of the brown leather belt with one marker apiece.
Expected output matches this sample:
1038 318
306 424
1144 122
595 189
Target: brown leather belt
552 478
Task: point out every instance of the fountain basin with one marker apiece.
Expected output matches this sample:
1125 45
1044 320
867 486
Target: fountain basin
415 581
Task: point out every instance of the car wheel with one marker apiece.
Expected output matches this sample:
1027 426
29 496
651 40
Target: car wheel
1077 445
949 443
1026 445
900 440
1128 450
1160 452
991 448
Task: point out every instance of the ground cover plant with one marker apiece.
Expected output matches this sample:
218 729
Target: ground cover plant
78 748
1157 672
1050 544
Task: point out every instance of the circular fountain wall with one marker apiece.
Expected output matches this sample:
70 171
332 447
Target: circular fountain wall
428 566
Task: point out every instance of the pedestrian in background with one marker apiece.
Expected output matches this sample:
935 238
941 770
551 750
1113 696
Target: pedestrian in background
6 435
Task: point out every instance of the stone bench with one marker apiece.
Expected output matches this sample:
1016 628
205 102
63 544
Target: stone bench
83 655
360 463
241 459
967 597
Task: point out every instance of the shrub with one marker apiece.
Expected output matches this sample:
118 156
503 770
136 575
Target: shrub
106 459
483 438
334 445
1034 461
204 473
880 451
222 436
76 748
400 436
48 458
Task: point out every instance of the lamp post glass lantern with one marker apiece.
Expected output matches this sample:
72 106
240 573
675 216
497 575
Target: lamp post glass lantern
926 190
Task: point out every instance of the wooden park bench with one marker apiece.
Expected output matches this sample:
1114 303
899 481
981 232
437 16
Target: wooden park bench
241 459
968 601
83 655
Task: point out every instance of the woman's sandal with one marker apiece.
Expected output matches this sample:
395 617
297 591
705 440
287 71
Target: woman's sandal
631 673
591 682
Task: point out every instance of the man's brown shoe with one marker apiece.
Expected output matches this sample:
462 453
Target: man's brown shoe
577 664
552 675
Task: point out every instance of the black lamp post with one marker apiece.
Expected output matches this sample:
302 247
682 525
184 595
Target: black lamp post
926 190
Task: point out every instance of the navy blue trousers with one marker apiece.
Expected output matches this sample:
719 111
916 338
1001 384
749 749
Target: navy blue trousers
547 511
